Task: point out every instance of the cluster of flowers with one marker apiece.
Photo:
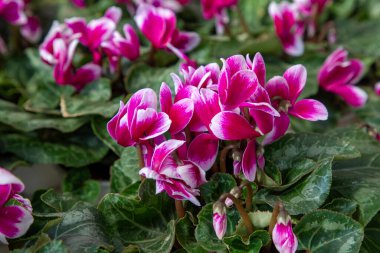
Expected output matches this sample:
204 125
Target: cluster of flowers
292 20
15 211
16 12
101 38
211 9
211 105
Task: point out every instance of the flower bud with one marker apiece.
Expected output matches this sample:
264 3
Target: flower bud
236 192
283 237
219 219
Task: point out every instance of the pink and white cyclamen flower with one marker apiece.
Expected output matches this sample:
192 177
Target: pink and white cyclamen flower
15 211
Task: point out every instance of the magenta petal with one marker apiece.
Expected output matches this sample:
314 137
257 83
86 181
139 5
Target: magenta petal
99 30
249 163
31 31
234 64
86 74
142 99
283 237
181 113
278 87
178 190
14 221
162 151
114 13
377 89
7 178
76 25
219 222
231 126
296 77
280 126
203 151
160 126
192 175
5 191
165 98
258 66
353 95
242 85
309 109
185 41
207 105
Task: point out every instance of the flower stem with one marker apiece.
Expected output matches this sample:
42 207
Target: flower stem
248 200
179 208
244 215
273 220
223 156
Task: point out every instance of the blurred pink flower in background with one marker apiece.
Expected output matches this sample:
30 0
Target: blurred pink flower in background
339 75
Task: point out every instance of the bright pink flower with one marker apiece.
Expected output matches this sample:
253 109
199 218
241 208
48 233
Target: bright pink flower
217 9
96 31
138 120
31 30
179 179
219 219
283 237
118 46
15 211
310 10
57 31
377 89
159 26
288 28
79 3
338 75
284 92
174 5
13 11
180 112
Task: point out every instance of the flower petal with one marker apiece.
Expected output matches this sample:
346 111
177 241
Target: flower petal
86 74
296 77
162 151
160 126
249 163
14 221
242 85
7 178
192 175
180 114
203 151
258 66
280 126
353 95
278 87
165 98
309 109
231 126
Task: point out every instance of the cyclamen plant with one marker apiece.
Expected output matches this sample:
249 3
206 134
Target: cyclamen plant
211 106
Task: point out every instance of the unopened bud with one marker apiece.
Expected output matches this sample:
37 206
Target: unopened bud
219 219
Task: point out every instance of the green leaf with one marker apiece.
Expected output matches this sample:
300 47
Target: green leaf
371 242
305 196
218 184
125 171
204 232
255 242
141 76
185 235
364 42
93 100
147 223
12 115
82 230
75 152
357 179
59 202
80 184
308 145
342 205
99 126
327 231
